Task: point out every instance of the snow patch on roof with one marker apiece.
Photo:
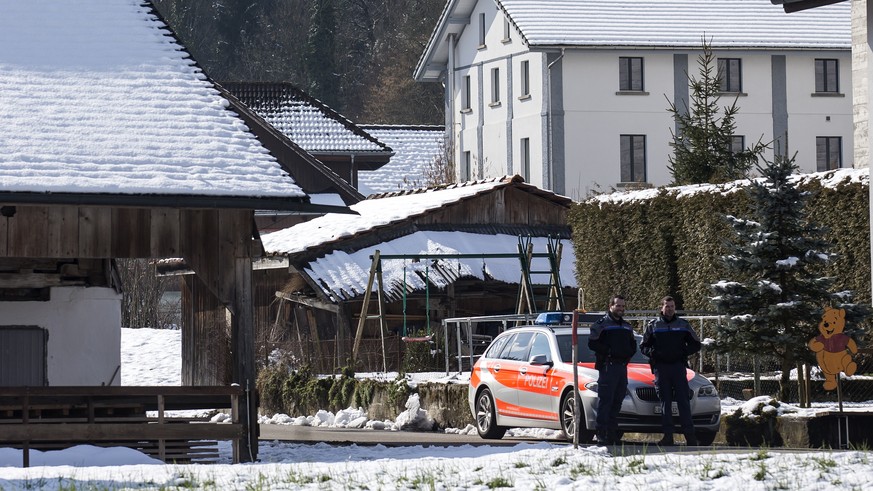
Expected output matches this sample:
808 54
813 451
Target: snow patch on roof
372 212
97 97
342 275
415 149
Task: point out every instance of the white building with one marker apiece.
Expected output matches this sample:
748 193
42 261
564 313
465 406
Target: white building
573 95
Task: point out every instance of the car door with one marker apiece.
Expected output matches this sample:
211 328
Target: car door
512 359
535 387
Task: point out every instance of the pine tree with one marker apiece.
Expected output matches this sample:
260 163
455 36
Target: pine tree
777 296
703 141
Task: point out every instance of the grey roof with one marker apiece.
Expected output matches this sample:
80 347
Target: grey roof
308 122
734 24
416 148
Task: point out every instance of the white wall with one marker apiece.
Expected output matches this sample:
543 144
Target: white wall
595 114
84 333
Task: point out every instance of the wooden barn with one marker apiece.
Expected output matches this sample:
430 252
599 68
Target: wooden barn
456 250
116 145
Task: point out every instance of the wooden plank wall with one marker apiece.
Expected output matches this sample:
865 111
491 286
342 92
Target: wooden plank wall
504 206
206 356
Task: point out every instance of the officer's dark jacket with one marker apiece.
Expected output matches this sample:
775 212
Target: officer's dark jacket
670 341
612 339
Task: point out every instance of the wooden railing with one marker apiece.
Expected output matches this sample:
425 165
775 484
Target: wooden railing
55 417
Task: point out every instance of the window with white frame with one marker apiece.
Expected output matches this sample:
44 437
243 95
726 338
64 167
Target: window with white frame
630 74
482 30
524 164
827 78
495 86
525 78
507 30
730 74
465 96
465 169
633 158
828 153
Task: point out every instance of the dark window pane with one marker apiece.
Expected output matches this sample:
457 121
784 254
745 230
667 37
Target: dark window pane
827 75
630 73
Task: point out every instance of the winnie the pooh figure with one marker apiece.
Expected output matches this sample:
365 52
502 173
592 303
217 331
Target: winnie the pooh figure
833 349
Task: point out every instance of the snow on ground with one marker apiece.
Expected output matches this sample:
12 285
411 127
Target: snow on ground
151 357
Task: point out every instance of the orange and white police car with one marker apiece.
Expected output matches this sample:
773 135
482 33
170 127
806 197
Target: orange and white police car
525 379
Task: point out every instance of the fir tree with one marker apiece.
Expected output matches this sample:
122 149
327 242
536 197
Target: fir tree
777 296
703 147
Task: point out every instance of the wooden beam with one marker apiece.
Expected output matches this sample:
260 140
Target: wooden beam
243 348
36 280
313 302
365 307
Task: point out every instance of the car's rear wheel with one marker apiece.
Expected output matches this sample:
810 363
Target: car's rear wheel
486 417
705 438
568 419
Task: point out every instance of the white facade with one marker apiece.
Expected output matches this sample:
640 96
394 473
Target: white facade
571 121
84 333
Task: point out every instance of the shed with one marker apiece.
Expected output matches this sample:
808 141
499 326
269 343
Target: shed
321 268
115 144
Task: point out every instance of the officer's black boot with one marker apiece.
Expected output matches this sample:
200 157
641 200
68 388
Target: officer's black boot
690 439
602 438
666 441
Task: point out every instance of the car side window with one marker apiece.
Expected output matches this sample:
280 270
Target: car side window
504 351
496 347
520 347
540 346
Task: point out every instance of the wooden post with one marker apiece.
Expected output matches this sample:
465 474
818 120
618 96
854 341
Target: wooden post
162 443
365 307
242 344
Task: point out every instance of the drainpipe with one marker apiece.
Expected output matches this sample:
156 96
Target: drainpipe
548 185
450 102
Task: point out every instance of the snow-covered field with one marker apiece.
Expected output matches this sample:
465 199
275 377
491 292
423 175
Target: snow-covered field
151 357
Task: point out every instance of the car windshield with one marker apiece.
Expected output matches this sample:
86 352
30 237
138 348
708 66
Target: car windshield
565 347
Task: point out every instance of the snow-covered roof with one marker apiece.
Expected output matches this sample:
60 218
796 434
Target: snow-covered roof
679 23
730 24
308 122
378 211
415 149
342 275
96 96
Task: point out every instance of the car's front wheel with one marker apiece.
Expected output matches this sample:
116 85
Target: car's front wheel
486 417
568 419
705 438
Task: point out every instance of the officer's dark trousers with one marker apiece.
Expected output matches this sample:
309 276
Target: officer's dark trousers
611 389
670 379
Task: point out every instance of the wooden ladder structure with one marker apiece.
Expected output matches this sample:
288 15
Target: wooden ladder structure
554 299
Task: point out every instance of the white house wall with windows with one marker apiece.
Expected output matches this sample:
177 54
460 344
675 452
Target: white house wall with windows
573 95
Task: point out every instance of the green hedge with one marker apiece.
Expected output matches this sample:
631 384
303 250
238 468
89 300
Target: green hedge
646 244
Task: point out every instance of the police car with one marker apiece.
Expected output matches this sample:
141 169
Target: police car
525 379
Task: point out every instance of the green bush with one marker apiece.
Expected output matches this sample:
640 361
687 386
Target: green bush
648 244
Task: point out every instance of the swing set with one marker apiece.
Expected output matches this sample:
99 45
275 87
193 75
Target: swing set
526 301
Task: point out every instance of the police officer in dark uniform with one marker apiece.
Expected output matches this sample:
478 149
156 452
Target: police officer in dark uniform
612 341
668 342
